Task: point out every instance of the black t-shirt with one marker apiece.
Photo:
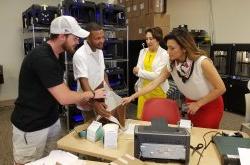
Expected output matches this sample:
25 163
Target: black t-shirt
35 107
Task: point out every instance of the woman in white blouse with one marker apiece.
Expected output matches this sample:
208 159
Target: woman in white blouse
150 63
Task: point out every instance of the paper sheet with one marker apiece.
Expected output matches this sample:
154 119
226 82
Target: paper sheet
58 156
244 156
112 100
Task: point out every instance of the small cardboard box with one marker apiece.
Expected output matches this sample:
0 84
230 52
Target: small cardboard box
129 11
143 6
128 2
120 2
157 20
157 6
135 10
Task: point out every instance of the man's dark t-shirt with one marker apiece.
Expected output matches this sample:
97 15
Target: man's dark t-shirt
35 107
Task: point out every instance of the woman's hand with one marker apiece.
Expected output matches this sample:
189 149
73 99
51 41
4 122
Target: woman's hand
126 100
136 70
193 107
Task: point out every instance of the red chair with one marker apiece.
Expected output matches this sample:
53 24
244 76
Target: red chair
161 107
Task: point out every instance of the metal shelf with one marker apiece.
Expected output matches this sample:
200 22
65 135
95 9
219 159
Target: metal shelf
114 28
107 27
36 29
115 60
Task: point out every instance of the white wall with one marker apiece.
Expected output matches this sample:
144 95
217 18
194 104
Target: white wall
11 44
231 18
231 24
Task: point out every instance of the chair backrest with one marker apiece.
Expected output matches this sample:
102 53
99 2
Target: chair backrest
161 107
247 100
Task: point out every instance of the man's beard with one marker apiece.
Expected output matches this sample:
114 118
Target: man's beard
99 46
68 49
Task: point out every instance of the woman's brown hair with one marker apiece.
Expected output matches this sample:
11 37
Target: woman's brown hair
186 41
156 33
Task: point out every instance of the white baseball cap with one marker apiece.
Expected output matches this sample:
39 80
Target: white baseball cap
67 25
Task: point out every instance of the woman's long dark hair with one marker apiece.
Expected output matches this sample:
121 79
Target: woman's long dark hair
186 41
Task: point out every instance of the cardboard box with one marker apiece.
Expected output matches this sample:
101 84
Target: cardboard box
129 11
157 20
141 27
137 28
138 25
120 2
143 5
157 6
132 28
141 32
165 30
128 2
136 10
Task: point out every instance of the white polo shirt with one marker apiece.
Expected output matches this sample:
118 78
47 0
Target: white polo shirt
89 64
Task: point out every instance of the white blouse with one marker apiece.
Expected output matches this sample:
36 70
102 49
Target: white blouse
197 86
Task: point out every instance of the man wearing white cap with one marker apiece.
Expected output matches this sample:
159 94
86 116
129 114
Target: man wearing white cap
42 89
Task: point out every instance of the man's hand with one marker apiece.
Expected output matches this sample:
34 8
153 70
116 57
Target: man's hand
100 108
99 93
85 105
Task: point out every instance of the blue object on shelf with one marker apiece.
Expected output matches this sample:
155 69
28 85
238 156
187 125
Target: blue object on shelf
78 118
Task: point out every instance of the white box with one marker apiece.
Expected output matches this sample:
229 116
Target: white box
110 135
92 130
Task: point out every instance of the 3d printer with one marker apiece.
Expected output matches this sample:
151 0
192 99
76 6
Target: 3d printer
29 43
113 49
233 64
241 60
39 15
110 14
221 55
116 78
83 11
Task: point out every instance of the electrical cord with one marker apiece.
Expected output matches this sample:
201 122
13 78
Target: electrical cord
196 149
207 144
